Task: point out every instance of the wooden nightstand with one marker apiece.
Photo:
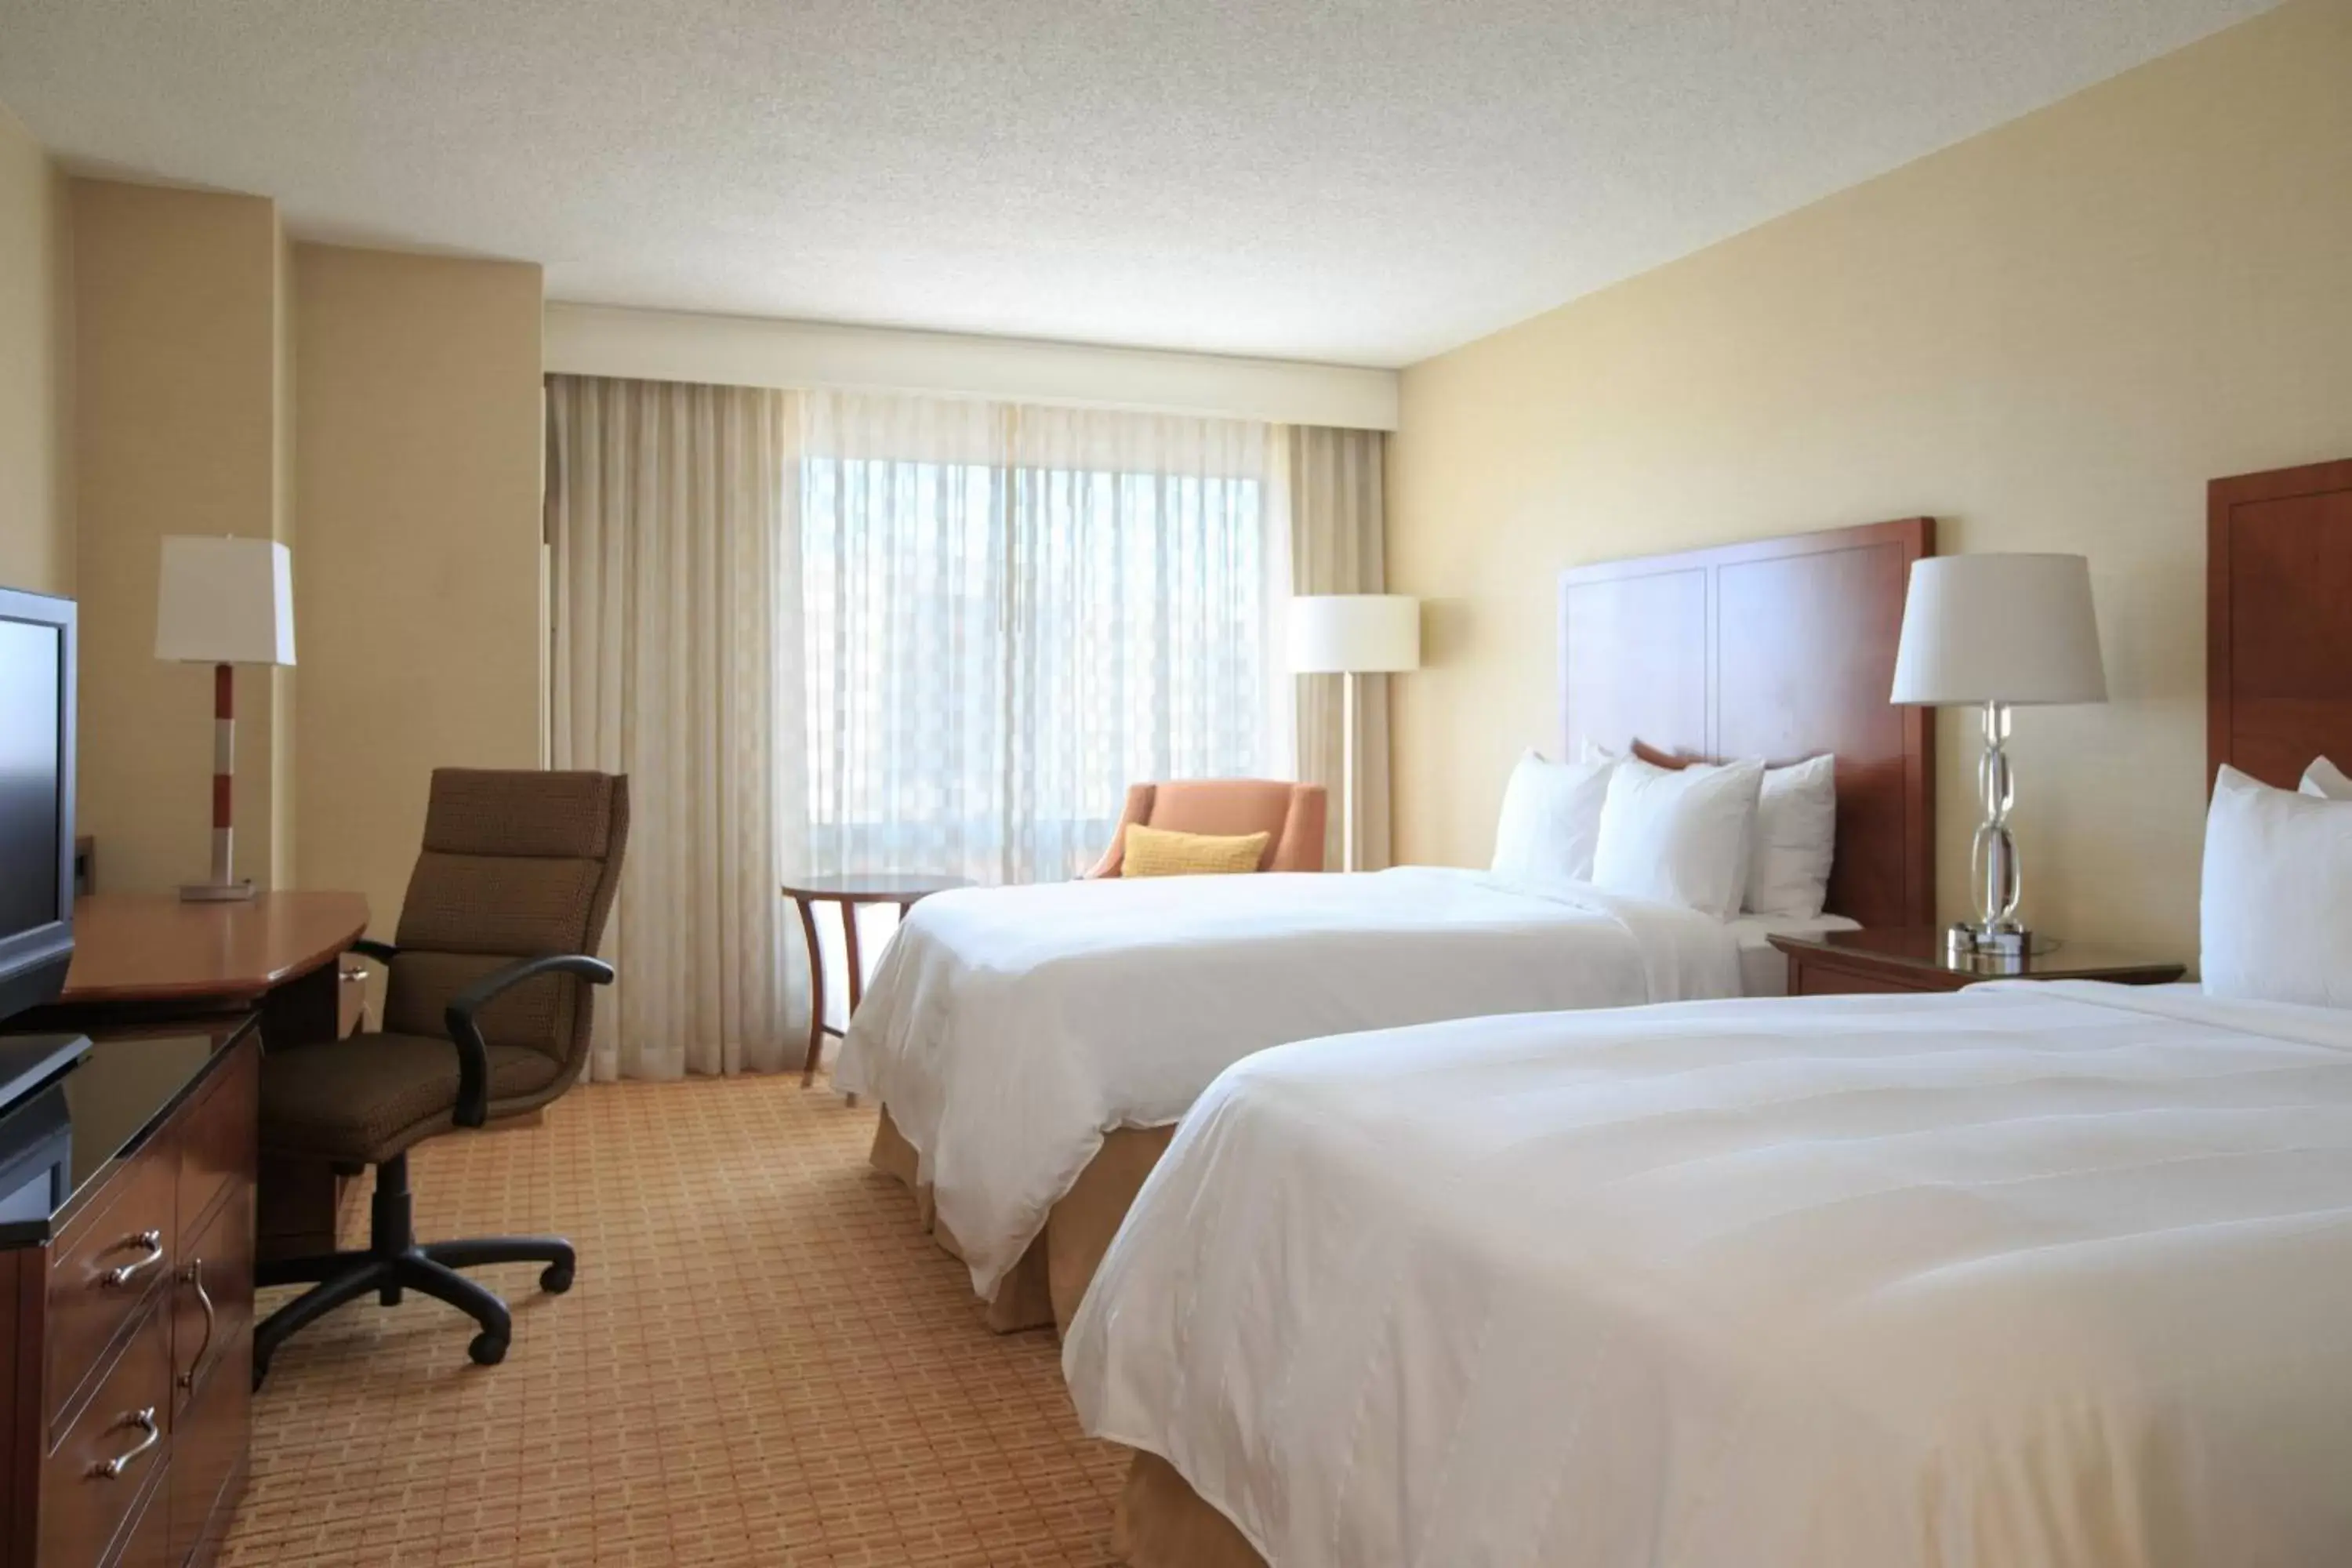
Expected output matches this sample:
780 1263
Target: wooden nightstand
1842 962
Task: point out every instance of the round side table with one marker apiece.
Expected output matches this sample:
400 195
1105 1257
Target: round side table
850 892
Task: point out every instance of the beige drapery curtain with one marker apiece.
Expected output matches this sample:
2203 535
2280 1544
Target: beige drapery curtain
1329 482
674 548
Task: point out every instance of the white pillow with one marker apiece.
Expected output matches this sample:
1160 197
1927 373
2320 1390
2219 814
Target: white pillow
1550 819
2326 780
2276 911
1796 837
1678 835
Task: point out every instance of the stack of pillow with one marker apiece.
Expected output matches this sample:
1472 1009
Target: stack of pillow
1718 838
2276 911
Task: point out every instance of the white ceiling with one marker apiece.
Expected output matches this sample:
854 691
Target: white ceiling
1355 180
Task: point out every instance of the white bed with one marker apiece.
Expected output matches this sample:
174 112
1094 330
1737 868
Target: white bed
1007 1030
2028 1275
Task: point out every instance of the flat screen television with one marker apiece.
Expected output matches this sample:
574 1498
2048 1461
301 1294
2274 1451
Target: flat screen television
37 797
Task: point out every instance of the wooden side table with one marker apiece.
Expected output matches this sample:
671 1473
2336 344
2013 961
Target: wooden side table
849 892
1842 963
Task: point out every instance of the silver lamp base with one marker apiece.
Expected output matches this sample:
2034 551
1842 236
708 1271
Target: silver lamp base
1999 948
216 892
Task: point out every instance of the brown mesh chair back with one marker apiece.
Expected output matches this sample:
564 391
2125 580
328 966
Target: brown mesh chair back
514 865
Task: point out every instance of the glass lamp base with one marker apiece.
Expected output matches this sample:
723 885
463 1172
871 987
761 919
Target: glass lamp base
2005 945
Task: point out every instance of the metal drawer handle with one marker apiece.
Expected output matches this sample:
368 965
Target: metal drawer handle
195 1275
152 1240
108 1470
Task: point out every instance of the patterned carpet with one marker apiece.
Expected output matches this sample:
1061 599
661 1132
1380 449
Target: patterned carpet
764 1361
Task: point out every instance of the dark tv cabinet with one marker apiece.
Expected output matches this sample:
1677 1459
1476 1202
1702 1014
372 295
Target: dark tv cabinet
126 1315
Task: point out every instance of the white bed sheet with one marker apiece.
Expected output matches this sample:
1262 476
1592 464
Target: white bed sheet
1007 1029
2021 1277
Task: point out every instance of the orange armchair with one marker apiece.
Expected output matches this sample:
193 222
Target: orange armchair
1290 815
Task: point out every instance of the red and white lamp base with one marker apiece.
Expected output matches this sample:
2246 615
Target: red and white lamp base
224 886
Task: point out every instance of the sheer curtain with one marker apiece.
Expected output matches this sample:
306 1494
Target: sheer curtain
1013 612
1329 493
674 591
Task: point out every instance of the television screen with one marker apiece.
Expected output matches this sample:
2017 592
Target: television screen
30 769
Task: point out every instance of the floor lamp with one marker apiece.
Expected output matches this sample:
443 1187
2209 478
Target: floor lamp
1351 635
225 602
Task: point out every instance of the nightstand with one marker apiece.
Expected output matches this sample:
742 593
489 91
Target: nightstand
1842 962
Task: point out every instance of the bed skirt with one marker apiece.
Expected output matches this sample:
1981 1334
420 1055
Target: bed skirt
1047 1286
1163 1523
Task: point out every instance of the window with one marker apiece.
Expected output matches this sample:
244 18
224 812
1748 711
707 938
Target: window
996 650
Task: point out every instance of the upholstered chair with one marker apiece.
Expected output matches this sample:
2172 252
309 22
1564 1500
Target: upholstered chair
1291 814
486 1015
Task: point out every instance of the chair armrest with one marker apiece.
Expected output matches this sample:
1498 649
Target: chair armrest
473 1053
368 947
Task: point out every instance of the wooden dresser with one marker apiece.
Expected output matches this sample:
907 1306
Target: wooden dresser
125 1407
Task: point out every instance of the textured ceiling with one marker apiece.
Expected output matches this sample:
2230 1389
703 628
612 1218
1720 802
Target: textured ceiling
1366 182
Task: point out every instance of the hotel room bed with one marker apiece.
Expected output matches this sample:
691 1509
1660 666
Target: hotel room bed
1033 1047
2031 1273
1016 1033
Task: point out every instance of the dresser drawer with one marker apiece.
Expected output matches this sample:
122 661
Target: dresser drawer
84 1507
147 1543
111 1257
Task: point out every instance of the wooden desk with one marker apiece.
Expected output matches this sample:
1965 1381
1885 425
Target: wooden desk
148 958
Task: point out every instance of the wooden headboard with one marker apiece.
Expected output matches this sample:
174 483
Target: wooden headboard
1783 648
2278 622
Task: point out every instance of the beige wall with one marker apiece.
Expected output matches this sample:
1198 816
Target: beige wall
36 364
2050 337
416 387
175 296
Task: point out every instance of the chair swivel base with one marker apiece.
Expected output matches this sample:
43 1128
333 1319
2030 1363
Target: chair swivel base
395 1263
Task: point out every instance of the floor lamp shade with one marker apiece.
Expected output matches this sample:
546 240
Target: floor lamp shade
1995 632
1352 634
225 602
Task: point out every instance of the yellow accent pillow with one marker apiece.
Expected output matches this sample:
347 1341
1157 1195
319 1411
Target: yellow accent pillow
1156 852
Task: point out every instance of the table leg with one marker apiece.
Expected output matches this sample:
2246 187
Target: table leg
849 950
816 992
857 965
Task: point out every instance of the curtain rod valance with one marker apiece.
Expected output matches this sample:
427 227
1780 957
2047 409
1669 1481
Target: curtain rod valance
743 351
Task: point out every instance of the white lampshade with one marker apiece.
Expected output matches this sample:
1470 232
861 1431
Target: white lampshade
1354 634
2000 628
225 601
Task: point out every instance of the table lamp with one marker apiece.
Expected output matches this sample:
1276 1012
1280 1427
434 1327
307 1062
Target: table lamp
1354 635
225 602
1996 632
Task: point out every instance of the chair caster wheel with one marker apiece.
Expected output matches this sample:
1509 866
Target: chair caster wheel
555 1279
488 1348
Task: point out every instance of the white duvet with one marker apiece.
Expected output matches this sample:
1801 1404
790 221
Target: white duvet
2020 1277
1007 1029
